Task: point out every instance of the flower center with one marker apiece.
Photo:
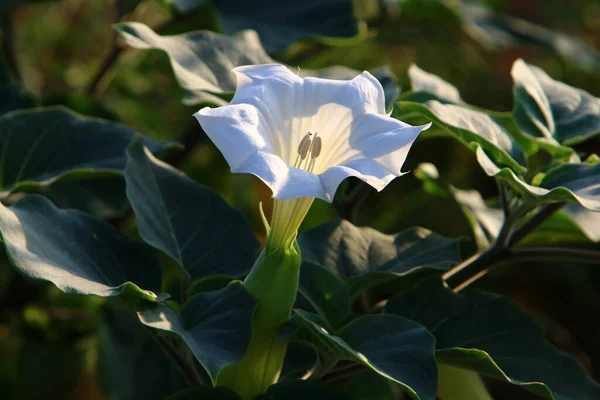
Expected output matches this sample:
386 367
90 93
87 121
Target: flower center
308 150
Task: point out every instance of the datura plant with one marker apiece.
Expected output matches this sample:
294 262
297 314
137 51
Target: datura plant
198 297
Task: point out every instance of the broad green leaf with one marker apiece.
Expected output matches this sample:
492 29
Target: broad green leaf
204 393
486 333
566 182
49 146
292 389
77 252
368 385
279 23
202 61
12 94
551 110
364 257
215 325
130 364
394 347
474 128
186 220
325 293
422 81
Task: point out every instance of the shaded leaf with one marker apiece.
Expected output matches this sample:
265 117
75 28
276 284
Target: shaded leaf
368 385
202 61
474 128
131 366
77 252
550 109
396 348
215 325
205 393
486 333
186 220
324 293
365 257
279 23
292 389
40 146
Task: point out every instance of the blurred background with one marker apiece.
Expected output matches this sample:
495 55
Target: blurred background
66 52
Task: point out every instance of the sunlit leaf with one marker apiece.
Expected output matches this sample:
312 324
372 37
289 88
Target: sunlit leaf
422 81
487 333
186 220
216 326
474 128
77 252
566 182
550 109
202 61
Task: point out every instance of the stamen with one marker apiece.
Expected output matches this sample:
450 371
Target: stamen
316 147
304 146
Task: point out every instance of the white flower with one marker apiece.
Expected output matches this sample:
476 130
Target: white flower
303 136
340 128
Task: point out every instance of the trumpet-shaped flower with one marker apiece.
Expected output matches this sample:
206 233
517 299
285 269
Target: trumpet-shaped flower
303 136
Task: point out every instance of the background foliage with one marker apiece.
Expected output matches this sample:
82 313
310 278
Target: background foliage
67 54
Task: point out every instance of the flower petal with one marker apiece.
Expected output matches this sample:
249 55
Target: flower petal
365 169
285 182
383 139
235 130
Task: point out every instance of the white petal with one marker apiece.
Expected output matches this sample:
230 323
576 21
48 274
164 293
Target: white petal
285 182
383 139
365 169
234 130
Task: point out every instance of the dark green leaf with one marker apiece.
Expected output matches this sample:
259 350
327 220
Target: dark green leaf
551 110
365 257
205 393
568 182
130 364
474 128
395 348
302 390
77 252
300 358
12 94
279 23
215 325
51 149
487 333
368 385
186 220
202 61
324 293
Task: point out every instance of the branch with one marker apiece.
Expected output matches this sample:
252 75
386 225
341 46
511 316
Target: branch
534 222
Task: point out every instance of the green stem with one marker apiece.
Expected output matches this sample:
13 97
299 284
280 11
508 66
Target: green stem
273 282
460 384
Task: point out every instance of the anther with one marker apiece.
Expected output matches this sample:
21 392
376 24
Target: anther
316 147
304 146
